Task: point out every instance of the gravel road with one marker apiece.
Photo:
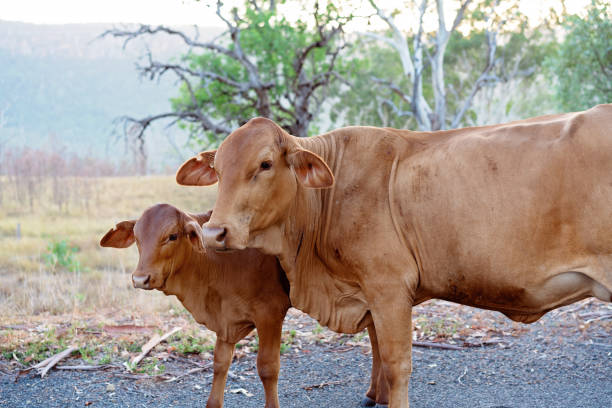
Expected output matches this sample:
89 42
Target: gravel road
544 367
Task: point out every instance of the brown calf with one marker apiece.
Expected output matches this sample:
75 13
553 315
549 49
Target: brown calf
230 293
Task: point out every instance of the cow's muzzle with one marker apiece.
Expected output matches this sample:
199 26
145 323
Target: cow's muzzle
141 281
214 237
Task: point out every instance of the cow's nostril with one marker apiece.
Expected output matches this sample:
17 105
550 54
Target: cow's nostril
214 236
221 236
141 282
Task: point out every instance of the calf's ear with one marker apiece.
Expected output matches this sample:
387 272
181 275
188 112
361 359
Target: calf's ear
194 232
310 169
121 236
202 218
198 171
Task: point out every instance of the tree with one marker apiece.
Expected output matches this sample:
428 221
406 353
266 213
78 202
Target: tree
426 92
263 65
582 65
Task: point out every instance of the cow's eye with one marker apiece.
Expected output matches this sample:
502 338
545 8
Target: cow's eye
265 165
172 237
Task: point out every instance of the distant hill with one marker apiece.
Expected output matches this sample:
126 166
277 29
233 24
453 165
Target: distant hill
62 83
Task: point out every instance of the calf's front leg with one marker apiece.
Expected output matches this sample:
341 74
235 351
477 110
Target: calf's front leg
268 359
224 352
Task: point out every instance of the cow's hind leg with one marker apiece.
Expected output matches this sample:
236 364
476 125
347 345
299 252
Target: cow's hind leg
379 389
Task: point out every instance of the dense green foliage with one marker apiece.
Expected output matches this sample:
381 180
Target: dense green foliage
582 64
287 55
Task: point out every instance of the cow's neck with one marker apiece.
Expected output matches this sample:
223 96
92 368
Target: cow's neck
316 287
307 220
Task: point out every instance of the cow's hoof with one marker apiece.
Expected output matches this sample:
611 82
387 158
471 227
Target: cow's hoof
381 406
367 402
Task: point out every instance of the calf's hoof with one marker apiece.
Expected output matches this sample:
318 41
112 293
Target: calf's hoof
367 402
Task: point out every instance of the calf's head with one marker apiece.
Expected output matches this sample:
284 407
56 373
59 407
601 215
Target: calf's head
165 237
259 168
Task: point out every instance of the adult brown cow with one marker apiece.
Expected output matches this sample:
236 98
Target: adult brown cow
229 293
514 217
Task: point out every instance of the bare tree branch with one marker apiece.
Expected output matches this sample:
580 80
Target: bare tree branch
482 79
459 15
394 88
148 30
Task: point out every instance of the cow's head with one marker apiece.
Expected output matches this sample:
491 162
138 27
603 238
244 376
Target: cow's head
165 237
258 167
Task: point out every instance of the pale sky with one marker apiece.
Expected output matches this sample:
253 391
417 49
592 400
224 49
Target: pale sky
175 12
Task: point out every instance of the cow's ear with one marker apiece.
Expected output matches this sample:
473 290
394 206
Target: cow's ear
194 232
198 171
310 169
202 218
122 236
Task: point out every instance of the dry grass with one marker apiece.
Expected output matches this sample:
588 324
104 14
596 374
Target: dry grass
30 286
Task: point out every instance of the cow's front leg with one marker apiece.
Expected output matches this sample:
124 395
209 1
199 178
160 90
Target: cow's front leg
224 352
392 315
268 359
379 389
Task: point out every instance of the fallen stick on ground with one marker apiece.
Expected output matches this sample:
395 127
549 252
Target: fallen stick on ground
155 340
436 345
323 384
86 367
41 364
134 376
187 360
192 371
52 361
606 316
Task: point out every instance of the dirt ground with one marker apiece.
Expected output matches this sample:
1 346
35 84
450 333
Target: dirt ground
563 360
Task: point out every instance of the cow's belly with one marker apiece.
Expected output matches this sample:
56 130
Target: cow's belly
529 301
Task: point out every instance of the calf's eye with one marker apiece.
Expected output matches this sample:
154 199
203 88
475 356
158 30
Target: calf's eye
172 237
265 165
